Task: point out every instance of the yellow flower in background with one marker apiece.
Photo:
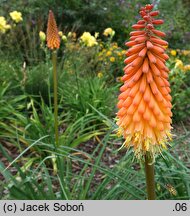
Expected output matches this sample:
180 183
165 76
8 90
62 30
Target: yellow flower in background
42 36
100 75
69 34
112 59
96 35
72 35
173 52
119 53
115 46
88 39
108 53
123 52
186 67
64 38
109 32
16 16
60 33
185 52
3 25
179 64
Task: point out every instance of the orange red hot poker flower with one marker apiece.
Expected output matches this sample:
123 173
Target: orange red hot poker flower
144 115
53 40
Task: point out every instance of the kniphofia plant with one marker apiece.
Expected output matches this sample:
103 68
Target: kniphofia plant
144 116
53 43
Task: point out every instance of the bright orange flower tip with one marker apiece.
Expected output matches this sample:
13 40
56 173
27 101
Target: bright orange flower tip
53 40
144 107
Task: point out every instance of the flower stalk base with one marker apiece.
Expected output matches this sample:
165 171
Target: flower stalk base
150 182
54 61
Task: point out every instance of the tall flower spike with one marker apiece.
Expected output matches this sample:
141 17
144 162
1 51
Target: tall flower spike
53 40
144 116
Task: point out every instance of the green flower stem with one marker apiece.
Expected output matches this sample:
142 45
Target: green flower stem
150 182
54 61
49 75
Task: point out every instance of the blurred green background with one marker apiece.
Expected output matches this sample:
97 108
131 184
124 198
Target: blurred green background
96 15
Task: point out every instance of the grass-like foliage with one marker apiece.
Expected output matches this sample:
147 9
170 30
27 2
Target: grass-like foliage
123 181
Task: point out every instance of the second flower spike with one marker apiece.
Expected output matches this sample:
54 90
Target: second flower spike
53 39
